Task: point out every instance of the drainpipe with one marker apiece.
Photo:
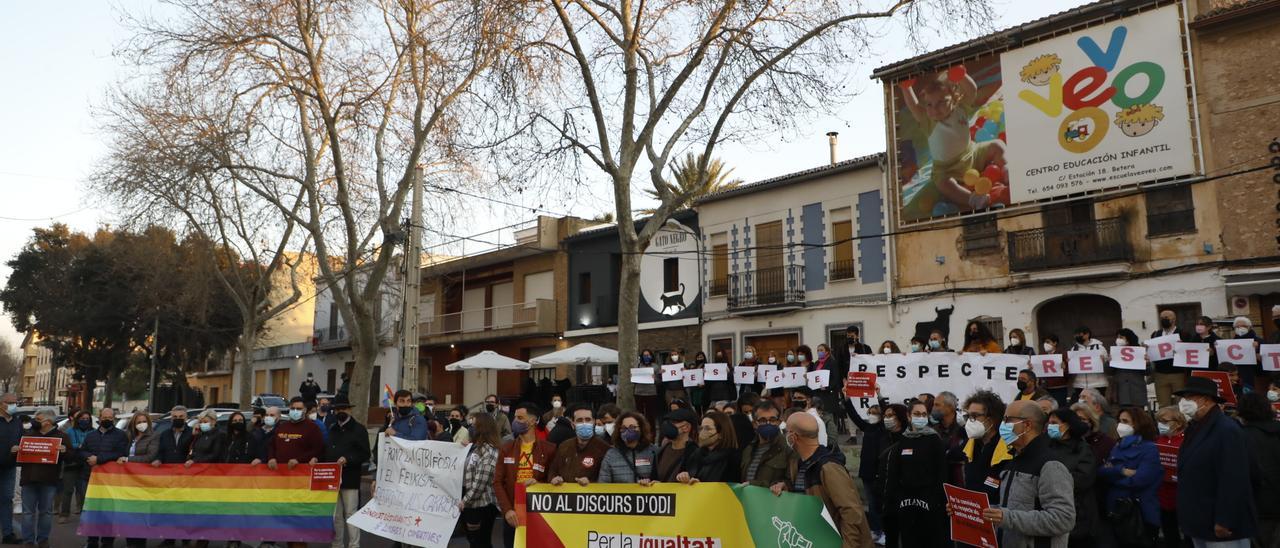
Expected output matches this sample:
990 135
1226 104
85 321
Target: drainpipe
831 141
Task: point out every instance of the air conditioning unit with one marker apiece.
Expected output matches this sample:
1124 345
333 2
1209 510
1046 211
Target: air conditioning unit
1239 305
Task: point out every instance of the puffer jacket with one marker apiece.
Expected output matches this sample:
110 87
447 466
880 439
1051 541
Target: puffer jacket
1143 458
209 446
1036 494
625 465
1077 456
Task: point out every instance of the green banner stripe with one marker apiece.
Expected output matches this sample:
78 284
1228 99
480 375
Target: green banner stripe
209 508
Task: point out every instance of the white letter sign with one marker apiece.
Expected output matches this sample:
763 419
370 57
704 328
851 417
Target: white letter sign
1047 365
1084 362
717 372
1270 357
1161 348
1129 357
1195 355
410 475
1237 351
744 374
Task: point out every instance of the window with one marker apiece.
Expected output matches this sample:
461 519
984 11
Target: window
280 381
331 381
993 324
1170 211
260 381
584 288
723 346
333 321
837 337
719 269
671 274
769 245
980 235
842 250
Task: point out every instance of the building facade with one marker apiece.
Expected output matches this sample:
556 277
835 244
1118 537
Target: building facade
795 260
42 382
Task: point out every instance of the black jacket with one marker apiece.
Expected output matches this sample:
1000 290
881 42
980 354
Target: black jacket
238 449
872 441
743 428
10 433
1166 366
175 450
560 431
350 441
1213 487
720 464
1077 456
44 474
107 446
982 472
308 390
915 473
1263 440
209 447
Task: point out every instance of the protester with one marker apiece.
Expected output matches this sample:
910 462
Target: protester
143 442
10 433
1242 328
1130 384
1036 497
749 359
890 347
1095 400
209 444
1132 474
696 393
918 344
647 394
262 437
1066 445
821 473
1096 381
408 424
104 444
238 448
313 414
324 412
457 427
308 390
524 459
674 390
944 417
632 457
767 459
913 488
824 361
296 440
1172 426
978 338
175 444
1047 404
478 504
895 422
937 342
1018 344
40 481
555 427
725 389
986 454
70 496
1029 388
1099 443
348 445
717 457
1169 379
1262 438
1215 497
499 417
743 426
873 440
1058 387
674 455
579 459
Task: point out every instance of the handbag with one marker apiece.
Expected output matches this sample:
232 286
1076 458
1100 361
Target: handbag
1127 524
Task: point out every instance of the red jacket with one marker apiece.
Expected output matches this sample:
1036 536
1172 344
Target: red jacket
1168 492
504 476
300 440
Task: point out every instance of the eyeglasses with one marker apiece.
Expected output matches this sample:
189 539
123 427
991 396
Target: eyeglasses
1014 420
978 416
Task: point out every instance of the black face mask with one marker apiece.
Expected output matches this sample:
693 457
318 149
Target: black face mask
342 416
491 407
179 424
455 424
799 404
1022 386
1165 323
404 411
669 431
237 427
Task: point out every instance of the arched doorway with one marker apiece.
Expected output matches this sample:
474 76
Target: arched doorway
1061 317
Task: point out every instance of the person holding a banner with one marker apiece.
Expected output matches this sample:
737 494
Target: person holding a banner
752 360
261 437
1215 497
1242 328
647 393
578 459
821 473
104 444
1096 381
678 430
1172 426
1130 384
348 445
1168 378
873 439
40 479
767 460
913 485
674 390
522 460
1029 388
238 446
633 455
73 469
210 443
407 424
10 432
1036 502
1262 437
978 338
721 390
717 457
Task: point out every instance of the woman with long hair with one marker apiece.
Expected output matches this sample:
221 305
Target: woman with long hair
717 457
633 455
144 446
978 338
479 504
237 447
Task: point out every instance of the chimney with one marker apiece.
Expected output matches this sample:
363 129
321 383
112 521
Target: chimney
831 138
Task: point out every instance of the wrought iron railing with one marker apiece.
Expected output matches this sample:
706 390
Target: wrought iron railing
718 288
767 288
843 270
1104 240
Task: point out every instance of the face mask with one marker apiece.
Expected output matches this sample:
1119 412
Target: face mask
84 424
1165 323
1006 433
403 411
936 417
584 430
886 350
791 358
630 436
773 359
556 404
237 426
935 344
11 408
141 427
342 416
1273 395
919 422
295 415
799 404
1055 431
974 429
310 379
748 355
1242 331
1022 386
822 355
803 357
608 429
1048 348
670 431
768 431
312 416
1014 341
205 427
325 408
599 430
675 358
519 428
455 424
700 361
873 419
1164 428
269 420
1124 430
891 423
1201 330
646 359
491 407
1188 408
178 424
1122 342
706 439
915 347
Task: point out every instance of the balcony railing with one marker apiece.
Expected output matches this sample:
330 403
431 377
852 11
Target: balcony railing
528 318
1078 244
843 270
330 338
767 289
718 287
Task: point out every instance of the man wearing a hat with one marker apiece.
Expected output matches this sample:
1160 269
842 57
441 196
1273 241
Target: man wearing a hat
679 427
349 446
1214 494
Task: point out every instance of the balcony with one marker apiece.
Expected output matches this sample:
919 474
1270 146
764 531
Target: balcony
1063 246
332 338
718 287
537 317
842 270
767 290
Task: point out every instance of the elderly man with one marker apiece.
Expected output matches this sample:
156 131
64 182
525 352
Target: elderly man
821 474
10 433
175 445
1036 507
40 481
1169 379
104 444
1106 422
1214 490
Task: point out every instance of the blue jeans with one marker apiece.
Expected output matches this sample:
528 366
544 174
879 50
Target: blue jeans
37 512
8 477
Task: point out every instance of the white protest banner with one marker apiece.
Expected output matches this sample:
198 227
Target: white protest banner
744 374
1194 355
1270 357
717 372
776 379
672 373
693 377
764 371
1237 351
1129 357
793 377
1084 362
818 380
901 377
1048 365
419 486
1161 348
642 375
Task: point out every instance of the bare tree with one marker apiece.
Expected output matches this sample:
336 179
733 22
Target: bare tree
10 367
647 79
324 109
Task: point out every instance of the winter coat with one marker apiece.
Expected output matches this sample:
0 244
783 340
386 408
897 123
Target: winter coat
984 463
410 427
1166 366
826 478
1077 456
350 441
774 463
743 428
107 446
144 447
174 449
504 476
238 449
1036 494
915 473
1141 456
873 436
44 474
258 441
572 462
209 447
74 459
10 434
1213 487
626 465
1263 441
719 464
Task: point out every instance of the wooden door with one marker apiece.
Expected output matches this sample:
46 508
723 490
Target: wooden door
779 344
1062 316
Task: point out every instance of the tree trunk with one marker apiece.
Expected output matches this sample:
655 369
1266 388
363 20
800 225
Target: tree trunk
90 379
107 386
364 349
244 363
628 319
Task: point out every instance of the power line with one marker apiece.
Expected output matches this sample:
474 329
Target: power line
37 219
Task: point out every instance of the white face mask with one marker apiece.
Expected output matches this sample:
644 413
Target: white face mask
974 429
873 419
1188 408
1124 430
748 355
886 350
141 427
1242 331
1014 341
556 404
608 429
1122 342
1048 347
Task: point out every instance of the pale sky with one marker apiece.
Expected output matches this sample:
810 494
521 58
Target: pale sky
57 63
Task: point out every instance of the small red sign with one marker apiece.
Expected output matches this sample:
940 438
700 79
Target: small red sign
326 477
1223 380
36 450
861 385
967 523
1169 460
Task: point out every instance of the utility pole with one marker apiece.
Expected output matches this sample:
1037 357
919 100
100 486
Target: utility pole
155 356
412 289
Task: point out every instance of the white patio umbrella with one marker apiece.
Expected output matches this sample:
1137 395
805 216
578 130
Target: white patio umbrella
579 354
487 359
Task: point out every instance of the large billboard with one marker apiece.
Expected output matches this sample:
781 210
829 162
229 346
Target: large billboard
1099 108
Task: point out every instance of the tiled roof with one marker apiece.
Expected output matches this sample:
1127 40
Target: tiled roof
797 177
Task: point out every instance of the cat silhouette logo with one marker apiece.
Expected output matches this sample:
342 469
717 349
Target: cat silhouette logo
789 536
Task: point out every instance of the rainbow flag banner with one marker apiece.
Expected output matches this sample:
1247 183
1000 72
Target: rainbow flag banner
208 502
